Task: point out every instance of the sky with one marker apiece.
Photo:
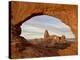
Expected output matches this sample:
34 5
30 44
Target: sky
36 26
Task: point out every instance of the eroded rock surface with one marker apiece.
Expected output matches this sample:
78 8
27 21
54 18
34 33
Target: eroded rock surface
22 11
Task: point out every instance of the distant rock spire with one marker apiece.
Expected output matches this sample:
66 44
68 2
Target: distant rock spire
46 34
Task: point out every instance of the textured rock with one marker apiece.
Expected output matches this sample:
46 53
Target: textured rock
53 40
22 11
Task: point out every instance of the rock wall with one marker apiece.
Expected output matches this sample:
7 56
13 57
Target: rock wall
22 11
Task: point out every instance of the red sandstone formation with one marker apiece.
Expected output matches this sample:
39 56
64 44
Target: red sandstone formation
51 40
22 11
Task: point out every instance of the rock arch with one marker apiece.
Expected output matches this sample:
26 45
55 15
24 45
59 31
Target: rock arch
22 11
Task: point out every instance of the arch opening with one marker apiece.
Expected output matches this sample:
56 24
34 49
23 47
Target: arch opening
36 26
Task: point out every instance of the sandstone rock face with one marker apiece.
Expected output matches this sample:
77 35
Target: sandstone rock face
22 11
